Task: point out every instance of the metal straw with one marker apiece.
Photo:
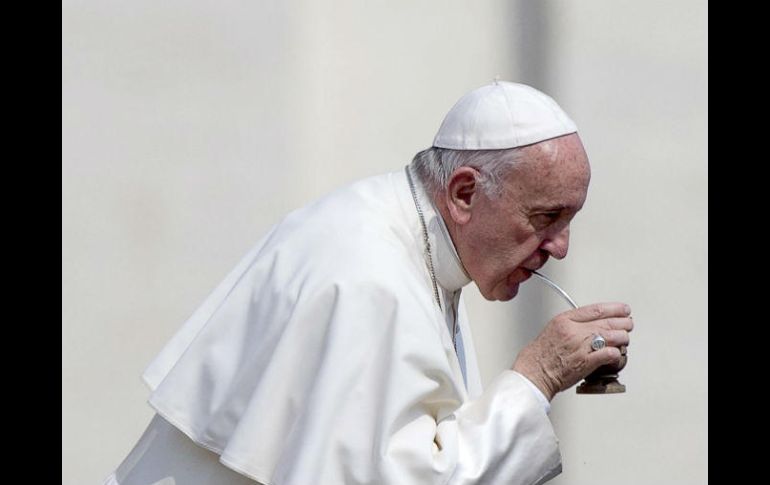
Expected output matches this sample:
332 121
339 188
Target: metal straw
556 287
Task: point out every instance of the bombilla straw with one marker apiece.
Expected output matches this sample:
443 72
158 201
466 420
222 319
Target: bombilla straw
556 287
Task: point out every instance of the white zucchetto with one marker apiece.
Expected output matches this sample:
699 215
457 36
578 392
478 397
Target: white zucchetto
502 115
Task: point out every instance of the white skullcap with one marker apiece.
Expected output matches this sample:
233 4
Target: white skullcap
502 115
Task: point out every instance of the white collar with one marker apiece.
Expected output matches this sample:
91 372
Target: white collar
450 273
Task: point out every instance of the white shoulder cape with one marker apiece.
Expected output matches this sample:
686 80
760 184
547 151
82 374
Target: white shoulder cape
322 358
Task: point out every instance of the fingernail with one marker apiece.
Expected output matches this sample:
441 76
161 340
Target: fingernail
628 310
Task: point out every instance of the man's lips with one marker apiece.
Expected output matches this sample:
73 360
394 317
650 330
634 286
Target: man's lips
519 275
528 271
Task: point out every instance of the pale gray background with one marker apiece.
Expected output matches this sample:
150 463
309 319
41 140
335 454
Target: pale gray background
189 127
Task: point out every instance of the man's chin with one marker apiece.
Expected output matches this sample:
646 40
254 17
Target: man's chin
512 291
502 293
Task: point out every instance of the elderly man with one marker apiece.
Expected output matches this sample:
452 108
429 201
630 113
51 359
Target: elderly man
338 350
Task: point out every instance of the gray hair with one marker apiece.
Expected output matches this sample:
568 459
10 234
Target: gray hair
435 165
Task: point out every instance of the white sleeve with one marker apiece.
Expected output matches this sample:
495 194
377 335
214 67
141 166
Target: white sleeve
503 437
538 394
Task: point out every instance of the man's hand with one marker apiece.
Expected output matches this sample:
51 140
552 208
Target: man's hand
561 355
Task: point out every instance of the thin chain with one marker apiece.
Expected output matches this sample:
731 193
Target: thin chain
424 237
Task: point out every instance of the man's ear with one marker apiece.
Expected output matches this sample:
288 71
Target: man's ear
462 193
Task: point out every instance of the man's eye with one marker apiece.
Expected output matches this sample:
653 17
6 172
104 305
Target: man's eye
545 219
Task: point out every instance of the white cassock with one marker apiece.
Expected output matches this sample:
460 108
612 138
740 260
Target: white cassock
323 358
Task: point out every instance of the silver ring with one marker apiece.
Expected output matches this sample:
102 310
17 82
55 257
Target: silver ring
598 342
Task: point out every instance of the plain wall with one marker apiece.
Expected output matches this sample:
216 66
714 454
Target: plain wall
190 127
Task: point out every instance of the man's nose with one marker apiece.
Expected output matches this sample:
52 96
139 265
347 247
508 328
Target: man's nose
558 245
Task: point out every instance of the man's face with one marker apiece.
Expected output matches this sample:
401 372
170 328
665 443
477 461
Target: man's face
508 237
